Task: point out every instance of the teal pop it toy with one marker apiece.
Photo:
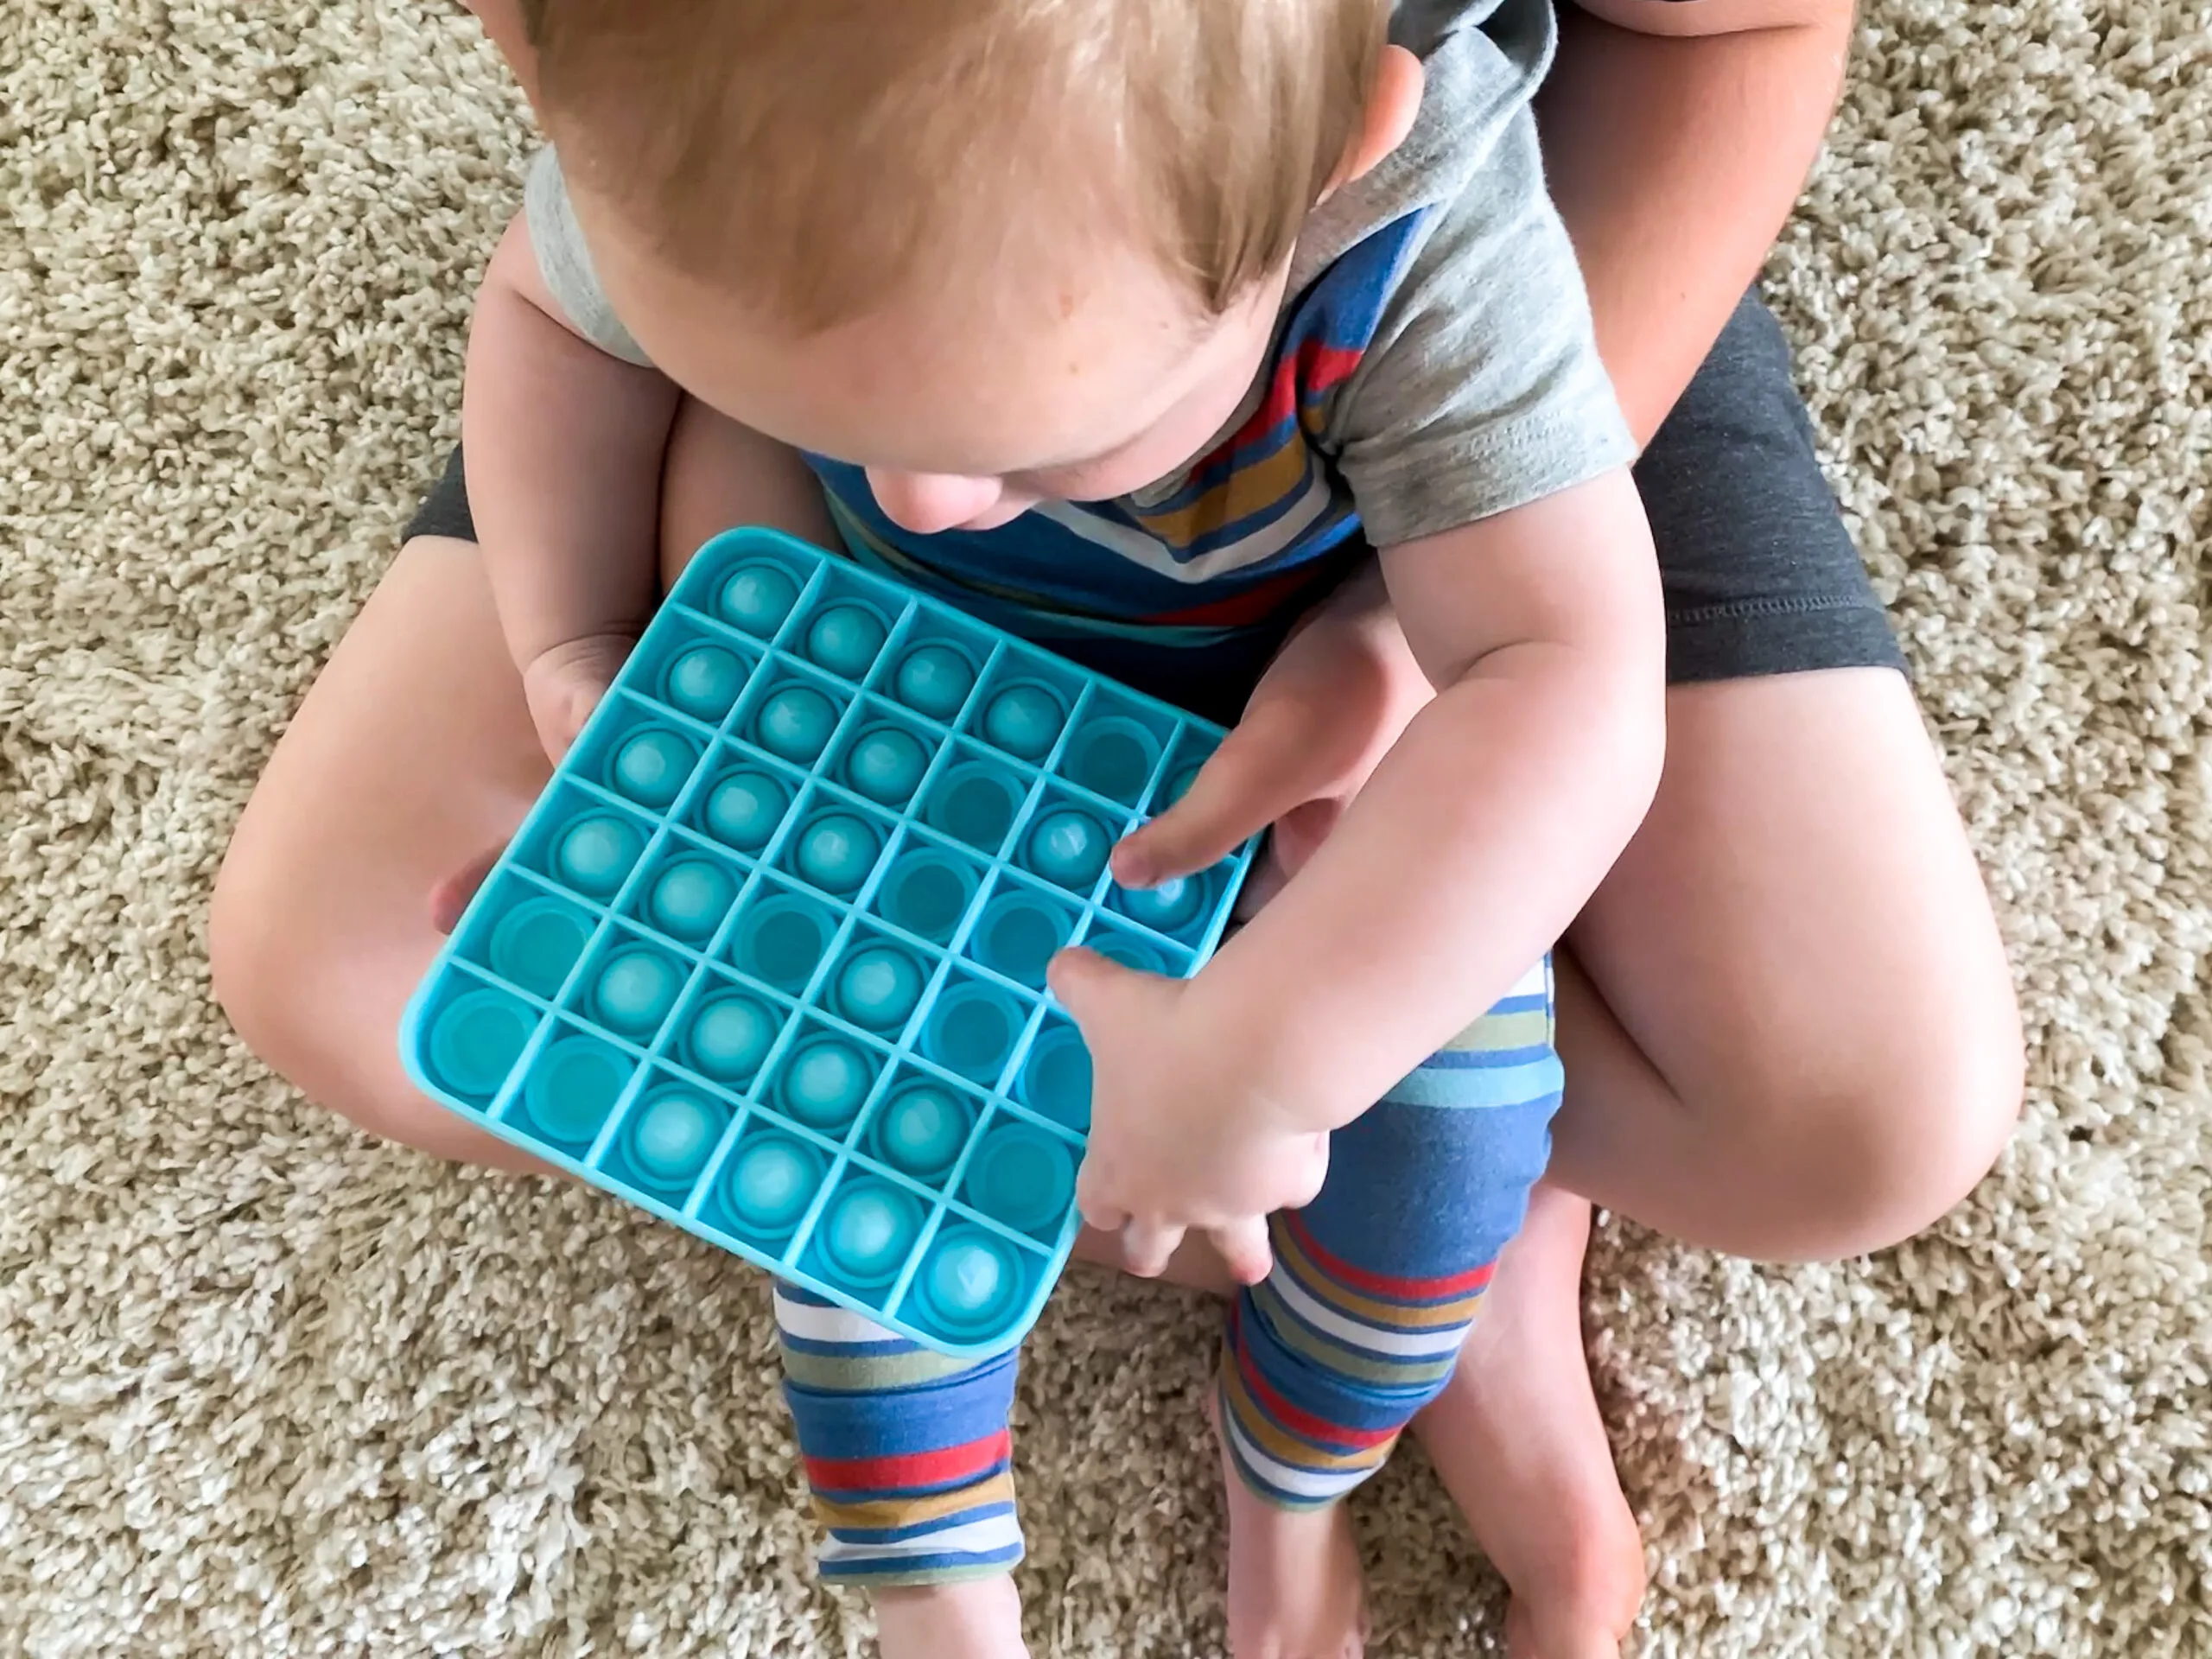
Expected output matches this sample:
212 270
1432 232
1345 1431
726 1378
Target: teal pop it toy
769 956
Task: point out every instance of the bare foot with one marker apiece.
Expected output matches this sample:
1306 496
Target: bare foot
1519 1444
975 1619
1295 1590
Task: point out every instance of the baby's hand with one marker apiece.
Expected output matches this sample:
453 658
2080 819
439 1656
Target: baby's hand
1178 1140
565 684
562 686
1321 719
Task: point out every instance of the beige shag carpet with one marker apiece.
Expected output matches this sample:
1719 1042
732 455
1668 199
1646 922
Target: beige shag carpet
268 1389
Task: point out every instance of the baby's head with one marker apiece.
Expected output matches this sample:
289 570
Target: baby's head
993 251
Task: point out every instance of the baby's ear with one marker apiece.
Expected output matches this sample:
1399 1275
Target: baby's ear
1391 106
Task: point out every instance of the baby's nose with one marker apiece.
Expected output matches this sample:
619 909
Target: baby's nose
926 503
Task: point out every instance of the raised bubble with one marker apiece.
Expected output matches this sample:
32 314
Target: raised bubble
1173 904
704 682
594 854
1068 847
886 765
744 809
836 851
934 680
691 897
970 1282
770 1182
730 1036
921 1131
845 638
870 1227
1024 720
635 990
670 1136
824 1084
757 598
878 987
795 723
650 767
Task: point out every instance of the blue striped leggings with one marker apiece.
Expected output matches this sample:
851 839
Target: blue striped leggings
1374 1286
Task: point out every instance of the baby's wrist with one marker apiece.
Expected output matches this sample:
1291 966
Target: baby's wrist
1280 1086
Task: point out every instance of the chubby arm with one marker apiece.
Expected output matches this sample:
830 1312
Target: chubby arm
1490 821
564 445
1677 134
1459 862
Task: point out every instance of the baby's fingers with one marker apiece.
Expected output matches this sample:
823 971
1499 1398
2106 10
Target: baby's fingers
1149 1246
564 684
1245 1248
451 896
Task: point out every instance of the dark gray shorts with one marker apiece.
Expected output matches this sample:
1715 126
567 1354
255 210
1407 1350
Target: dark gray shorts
1760 574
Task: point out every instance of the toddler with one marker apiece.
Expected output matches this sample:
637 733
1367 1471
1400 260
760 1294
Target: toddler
1136 326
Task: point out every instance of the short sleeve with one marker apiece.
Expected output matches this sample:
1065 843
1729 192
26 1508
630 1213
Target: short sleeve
1481 390
565 263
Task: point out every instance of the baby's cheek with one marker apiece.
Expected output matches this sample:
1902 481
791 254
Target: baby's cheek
1009 507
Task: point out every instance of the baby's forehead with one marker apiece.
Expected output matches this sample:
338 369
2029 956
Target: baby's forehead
1082 353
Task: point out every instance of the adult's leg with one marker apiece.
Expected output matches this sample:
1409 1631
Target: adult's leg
1788 1021
1793 1033
413 756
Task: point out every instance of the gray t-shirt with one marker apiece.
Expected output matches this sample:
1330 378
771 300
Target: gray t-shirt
1435 344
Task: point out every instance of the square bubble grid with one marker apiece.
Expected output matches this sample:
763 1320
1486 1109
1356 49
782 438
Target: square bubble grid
767 957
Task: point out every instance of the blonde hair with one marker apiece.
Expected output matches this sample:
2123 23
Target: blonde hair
811 153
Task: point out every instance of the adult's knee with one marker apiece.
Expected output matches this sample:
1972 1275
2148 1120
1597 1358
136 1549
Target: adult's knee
273 975
1891 1145
254 959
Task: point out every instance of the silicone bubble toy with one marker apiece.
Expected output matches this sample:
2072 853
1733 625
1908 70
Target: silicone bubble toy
769 956
670 1136
704 680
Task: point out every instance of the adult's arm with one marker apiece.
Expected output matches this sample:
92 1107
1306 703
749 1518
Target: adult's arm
503 23
1677 135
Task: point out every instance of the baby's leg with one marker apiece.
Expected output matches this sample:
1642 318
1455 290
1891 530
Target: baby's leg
908 1455
1374 1286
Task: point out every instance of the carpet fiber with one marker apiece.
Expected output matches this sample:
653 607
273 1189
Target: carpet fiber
266 1388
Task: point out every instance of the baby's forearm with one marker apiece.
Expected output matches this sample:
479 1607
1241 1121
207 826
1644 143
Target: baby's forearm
564 446
1475 841
1488 824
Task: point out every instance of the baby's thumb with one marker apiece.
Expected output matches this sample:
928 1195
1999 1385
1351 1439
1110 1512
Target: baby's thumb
1090 987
